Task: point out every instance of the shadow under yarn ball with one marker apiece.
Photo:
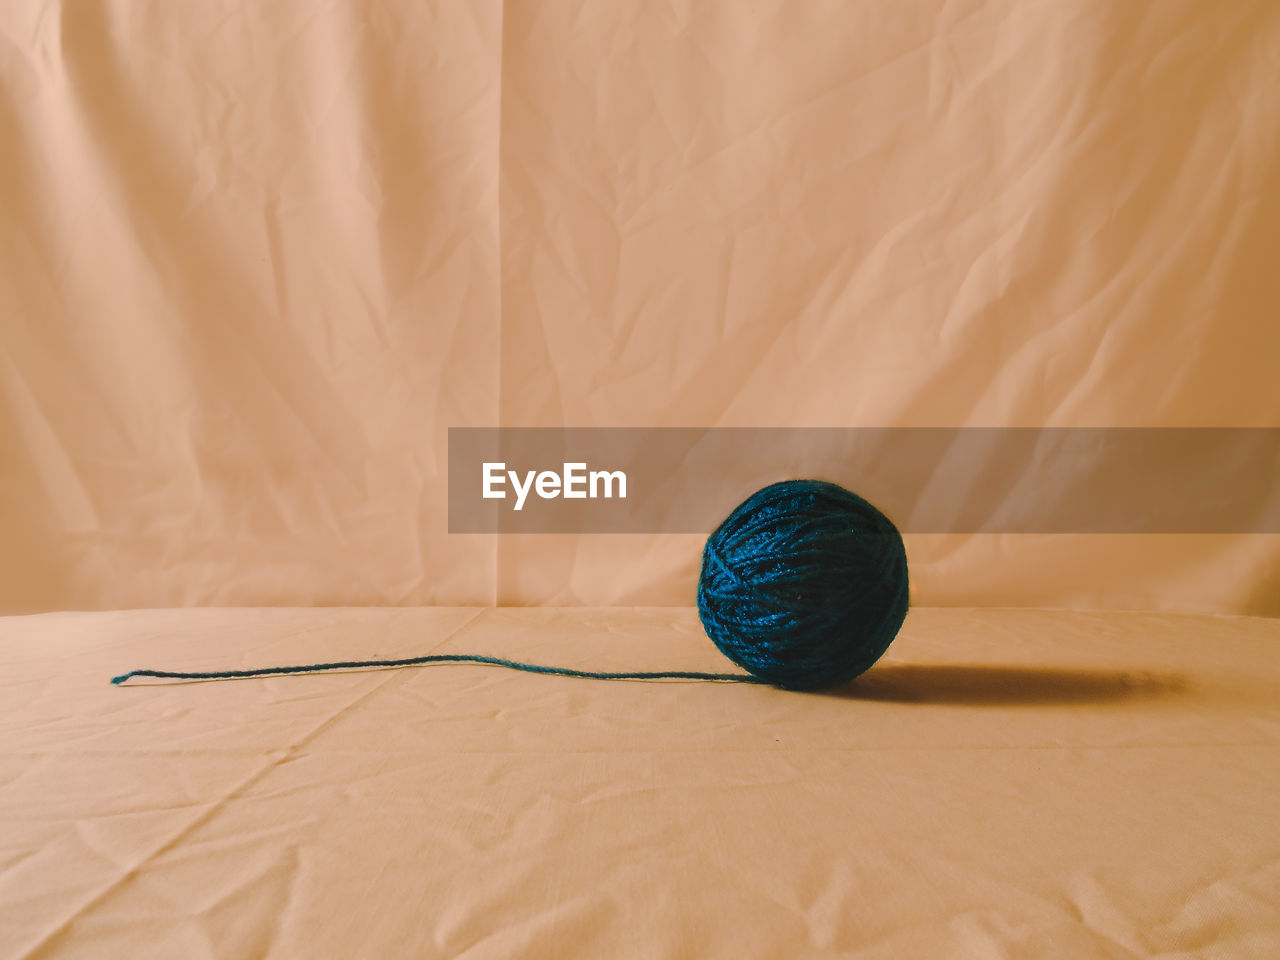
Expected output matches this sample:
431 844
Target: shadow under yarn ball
804 585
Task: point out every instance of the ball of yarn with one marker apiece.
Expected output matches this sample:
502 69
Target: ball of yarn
804 585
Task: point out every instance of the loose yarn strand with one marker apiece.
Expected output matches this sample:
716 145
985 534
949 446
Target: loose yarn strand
435 658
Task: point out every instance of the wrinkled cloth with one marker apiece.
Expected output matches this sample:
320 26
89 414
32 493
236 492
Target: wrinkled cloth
1005 783
257 258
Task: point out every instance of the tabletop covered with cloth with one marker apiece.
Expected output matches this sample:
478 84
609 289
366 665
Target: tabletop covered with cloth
1004 783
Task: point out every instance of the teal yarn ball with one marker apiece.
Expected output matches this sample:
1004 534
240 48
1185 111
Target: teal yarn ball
804 585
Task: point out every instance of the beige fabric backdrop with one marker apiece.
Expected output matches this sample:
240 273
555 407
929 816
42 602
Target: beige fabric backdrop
255 259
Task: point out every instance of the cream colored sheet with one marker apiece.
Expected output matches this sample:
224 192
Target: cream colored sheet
256 258
1007 783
